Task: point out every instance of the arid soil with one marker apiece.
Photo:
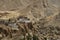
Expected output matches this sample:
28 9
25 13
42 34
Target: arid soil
29 19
